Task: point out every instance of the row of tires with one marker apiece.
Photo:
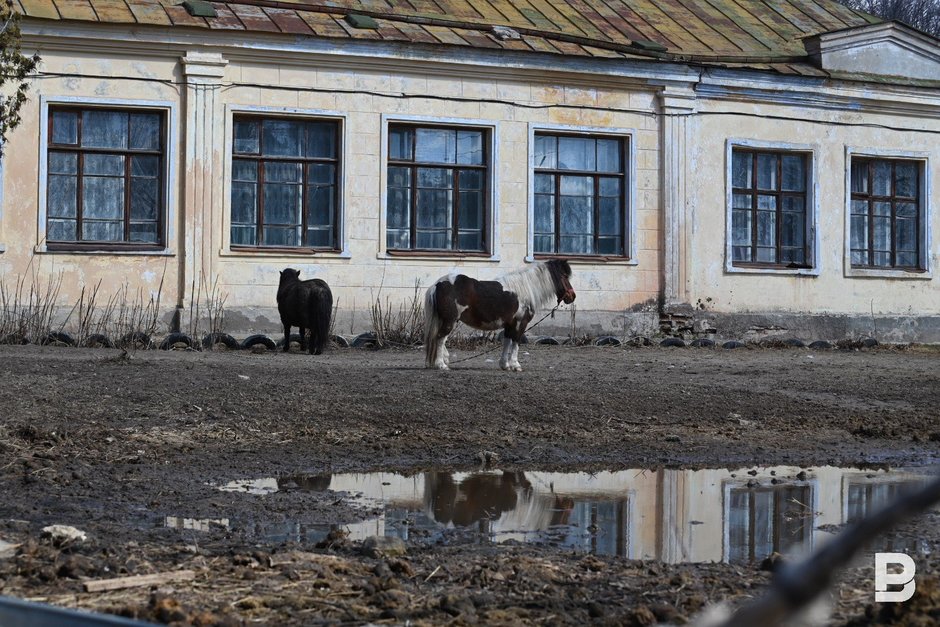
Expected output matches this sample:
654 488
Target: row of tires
141 340
212 341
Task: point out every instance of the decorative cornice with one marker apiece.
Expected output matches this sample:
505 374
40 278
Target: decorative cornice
819 94
371 55
207 65
678 98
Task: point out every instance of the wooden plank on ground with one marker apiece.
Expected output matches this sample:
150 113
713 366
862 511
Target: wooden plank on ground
135 581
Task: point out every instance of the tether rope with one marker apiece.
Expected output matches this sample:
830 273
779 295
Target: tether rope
490 350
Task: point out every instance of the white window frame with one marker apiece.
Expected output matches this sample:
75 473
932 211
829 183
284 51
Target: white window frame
925 184
629 172
231 110
812 207
170 182
492 232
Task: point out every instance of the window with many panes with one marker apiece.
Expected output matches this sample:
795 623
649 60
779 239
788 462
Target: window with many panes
886 213
438 179
763 520
770 220
285 183
580 195
105 183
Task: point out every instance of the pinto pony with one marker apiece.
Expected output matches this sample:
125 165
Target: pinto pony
508 303
306 305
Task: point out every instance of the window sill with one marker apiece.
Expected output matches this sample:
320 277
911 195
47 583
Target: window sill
901 275
267 253
772 270
585 260
119 252
437 255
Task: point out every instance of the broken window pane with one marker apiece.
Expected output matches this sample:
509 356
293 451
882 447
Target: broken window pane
436 145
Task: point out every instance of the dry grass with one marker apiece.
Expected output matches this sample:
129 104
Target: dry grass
206 309
27 306
401 326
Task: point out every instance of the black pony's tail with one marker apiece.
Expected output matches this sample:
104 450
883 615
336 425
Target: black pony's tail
322 309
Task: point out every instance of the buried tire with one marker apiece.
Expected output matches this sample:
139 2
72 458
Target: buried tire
212 341
136 339
173 340
98 340
259 340
294 337
57 338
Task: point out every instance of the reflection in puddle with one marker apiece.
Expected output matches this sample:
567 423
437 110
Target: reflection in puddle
668 515
196 524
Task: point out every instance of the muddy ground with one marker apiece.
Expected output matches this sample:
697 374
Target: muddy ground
112 444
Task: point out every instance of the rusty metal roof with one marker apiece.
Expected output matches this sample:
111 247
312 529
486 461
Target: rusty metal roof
756 33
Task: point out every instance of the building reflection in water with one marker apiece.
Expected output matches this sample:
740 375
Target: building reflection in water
669 515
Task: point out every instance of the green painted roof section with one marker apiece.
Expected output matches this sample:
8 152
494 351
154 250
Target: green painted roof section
719 31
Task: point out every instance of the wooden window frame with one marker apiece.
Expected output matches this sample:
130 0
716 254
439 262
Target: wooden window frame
596 175
870 199
779 194
305 162
486 169
775 516
97 245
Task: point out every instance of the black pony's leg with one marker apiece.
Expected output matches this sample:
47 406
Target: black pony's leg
303 338
286 336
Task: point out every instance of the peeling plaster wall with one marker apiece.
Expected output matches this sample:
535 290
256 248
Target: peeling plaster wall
902 307
24 254
613 297
679 131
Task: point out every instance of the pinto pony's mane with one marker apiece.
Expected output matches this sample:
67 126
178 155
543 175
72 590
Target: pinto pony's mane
532 286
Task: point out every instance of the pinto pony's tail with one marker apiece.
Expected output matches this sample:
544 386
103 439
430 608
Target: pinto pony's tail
432 325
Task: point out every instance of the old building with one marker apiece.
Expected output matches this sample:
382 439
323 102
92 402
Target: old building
747 167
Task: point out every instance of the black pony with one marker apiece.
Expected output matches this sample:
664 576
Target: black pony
307 305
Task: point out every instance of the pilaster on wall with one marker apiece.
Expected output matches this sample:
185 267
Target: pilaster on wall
202 175
677 104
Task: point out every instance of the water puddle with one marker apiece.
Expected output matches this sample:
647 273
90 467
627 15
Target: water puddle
668 515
